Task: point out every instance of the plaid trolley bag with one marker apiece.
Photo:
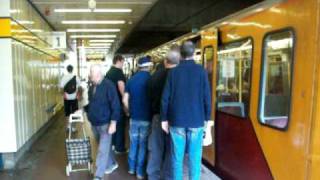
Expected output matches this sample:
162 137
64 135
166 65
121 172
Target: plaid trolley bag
78 149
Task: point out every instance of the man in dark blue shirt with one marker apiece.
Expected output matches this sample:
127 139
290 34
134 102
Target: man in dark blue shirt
104 111
185 107
136 100
159 165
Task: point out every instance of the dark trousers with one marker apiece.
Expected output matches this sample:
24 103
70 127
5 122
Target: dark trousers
70 106
159 163
118 138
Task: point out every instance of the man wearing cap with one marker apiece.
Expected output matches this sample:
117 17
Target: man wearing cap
136 100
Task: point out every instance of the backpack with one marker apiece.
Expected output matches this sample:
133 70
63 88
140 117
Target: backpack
71 86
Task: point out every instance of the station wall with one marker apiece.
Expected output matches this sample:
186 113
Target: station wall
36 92
29 93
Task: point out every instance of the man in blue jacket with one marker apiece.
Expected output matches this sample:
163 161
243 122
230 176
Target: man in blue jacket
185 107
104 110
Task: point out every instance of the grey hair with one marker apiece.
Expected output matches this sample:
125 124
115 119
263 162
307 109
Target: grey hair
96 68
187 49
173 57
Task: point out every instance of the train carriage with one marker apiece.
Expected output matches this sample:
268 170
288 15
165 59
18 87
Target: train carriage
263 65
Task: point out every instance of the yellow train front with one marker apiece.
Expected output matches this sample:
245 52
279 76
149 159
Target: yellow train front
263 63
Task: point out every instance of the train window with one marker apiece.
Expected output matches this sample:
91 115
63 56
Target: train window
207 62
276 79
233 82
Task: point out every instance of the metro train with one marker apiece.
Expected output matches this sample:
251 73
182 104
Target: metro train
263 64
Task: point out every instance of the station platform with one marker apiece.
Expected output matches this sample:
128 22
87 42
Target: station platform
47 159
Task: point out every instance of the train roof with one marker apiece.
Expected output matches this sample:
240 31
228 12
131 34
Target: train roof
216 24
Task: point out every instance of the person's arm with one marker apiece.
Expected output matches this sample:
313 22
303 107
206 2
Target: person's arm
114 107
165 99
121 87
125 101
121 84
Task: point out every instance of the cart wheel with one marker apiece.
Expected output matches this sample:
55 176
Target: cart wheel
91 168
67 171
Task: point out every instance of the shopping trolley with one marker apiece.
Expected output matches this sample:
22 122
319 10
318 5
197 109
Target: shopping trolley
78 149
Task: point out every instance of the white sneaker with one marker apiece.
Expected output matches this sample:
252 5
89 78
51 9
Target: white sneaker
112 168
140 177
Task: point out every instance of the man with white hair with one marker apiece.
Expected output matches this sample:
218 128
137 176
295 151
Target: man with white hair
159 145
185 109
104 111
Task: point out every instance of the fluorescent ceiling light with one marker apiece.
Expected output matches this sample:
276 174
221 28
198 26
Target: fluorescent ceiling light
102 47
93 36
124 10
36 30
25 22
96 50
25 31
26 37
113 10
13 11
100 44
95 22
101 40
93 30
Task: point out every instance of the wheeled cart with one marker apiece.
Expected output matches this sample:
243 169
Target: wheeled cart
78 149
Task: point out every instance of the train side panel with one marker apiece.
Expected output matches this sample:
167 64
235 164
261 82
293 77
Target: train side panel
285 151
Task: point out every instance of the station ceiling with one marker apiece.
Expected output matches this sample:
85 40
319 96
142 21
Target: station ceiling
113 19
168 19
136 25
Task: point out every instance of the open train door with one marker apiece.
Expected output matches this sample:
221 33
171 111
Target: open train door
209 47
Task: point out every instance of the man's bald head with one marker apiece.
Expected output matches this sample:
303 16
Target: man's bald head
96 73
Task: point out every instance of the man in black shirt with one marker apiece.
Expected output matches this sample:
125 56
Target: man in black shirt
159 163
115 74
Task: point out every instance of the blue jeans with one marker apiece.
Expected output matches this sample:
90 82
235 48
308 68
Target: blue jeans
139 131
105 156
159 165
190 140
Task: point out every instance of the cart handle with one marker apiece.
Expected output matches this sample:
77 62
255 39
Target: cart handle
75 118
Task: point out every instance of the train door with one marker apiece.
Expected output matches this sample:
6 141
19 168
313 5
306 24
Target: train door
208 51
236 146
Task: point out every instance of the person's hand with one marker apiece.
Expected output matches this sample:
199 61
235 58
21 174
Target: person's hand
205 124
112 127
165 126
